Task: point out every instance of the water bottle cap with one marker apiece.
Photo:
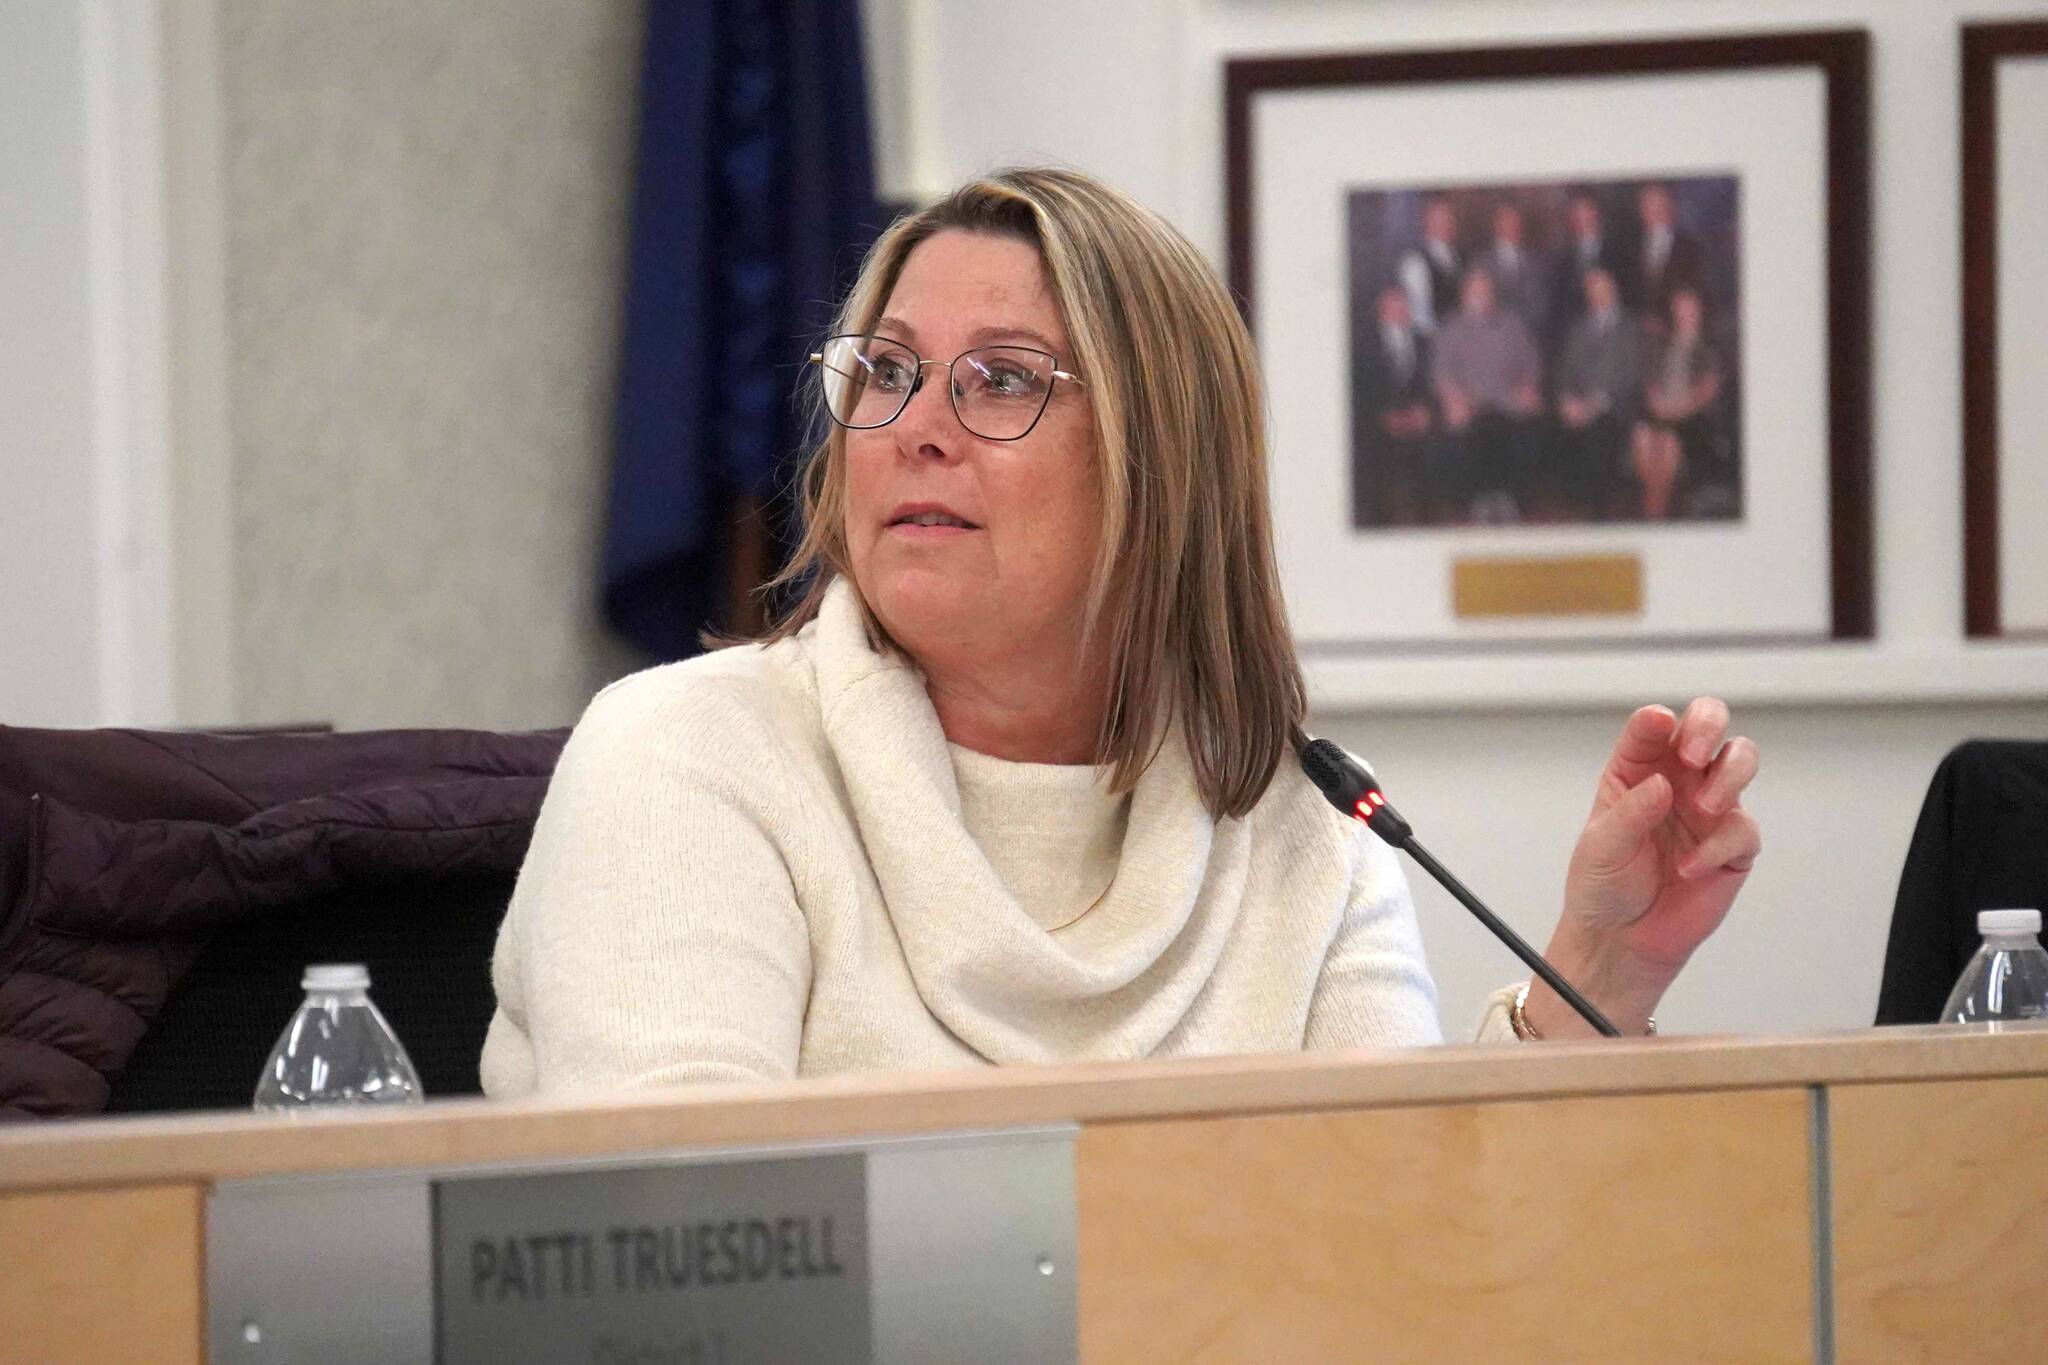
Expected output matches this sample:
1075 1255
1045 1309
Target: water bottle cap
2008 921
336 976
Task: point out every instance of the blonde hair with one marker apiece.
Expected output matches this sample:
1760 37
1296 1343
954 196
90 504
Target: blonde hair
1186 593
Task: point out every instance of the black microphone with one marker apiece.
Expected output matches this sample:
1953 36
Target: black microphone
1350 787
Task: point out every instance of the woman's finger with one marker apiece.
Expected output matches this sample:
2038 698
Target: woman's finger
1700 730
1732 846
1728 776
1612 837
1644 744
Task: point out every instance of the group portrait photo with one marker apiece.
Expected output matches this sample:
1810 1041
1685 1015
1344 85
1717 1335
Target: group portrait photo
1551 353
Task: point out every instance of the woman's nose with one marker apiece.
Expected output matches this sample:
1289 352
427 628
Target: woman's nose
928 420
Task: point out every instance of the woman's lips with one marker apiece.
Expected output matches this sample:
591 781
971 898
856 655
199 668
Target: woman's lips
914 531
928 521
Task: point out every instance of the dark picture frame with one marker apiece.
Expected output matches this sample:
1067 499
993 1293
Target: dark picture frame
1984 46
1840 57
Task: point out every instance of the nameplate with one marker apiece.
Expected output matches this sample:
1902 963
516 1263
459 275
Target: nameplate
1567 585
954 1246
698 1264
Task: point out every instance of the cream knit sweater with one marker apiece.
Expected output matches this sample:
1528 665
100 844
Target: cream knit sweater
769 862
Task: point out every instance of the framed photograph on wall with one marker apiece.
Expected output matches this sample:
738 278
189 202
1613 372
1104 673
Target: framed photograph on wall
1564 345
2005 299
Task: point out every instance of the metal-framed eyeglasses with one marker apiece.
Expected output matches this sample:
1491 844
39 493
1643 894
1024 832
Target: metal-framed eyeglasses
998 392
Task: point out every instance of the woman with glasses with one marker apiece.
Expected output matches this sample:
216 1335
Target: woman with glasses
1015 780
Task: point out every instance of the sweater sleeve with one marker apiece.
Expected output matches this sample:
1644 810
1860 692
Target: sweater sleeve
655 934
1375 989
1496 1024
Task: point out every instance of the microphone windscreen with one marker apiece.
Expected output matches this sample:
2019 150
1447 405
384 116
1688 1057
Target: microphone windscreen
1339 776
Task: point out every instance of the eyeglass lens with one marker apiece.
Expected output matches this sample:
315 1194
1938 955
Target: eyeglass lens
998 391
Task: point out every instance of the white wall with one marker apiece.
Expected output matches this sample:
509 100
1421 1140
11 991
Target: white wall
308 318
1133 92
424 214
109 550
50 669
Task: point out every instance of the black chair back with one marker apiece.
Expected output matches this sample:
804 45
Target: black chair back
1981 844
428 949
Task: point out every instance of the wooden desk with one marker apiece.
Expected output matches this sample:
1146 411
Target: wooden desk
1870 1196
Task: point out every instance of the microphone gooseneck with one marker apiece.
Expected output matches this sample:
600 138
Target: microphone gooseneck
1350 786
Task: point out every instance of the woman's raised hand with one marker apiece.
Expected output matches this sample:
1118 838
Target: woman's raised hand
1663 853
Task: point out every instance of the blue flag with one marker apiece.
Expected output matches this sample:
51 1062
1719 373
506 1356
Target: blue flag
753 200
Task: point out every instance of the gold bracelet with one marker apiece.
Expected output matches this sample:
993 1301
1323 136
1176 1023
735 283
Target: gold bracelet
1518 1018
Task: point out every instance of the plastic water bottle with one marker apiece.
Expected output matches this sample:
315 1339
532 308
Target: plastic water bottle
2007 981
337 1049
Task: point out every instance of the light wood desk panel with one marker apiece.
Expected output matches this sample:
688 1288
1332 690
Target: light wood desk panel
102 1275
1641 1200
1941 1221
228 1146
1661 1227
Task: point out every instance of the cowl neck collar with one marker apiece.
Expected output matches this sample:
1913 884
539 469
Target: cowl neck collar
1123 975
